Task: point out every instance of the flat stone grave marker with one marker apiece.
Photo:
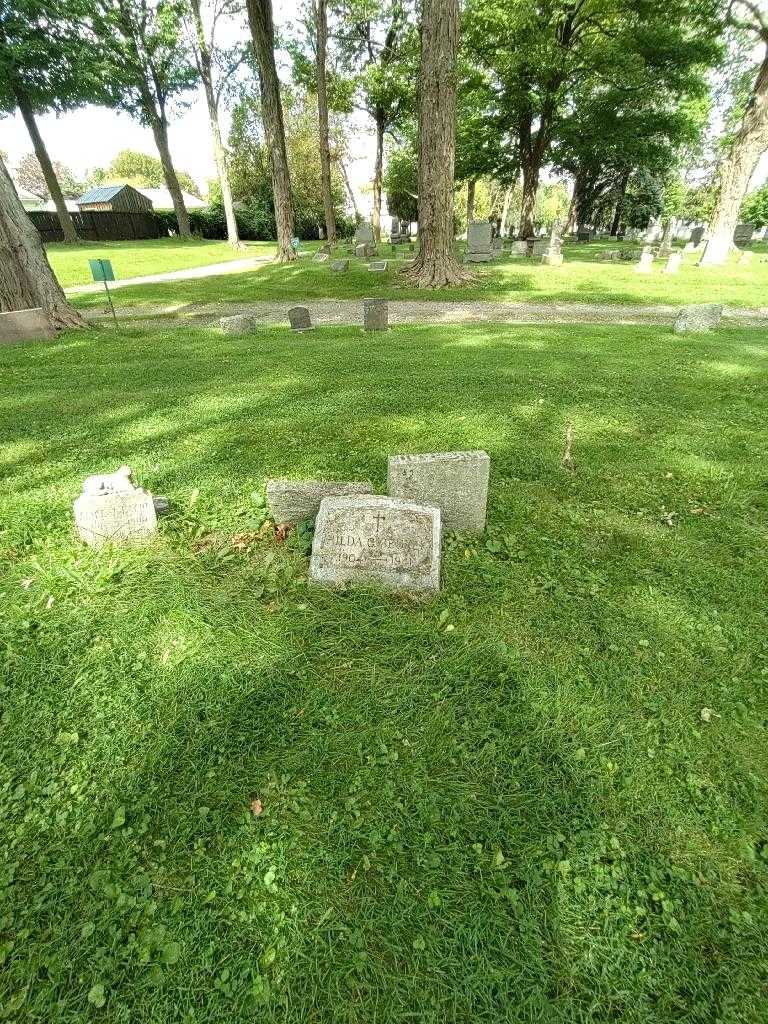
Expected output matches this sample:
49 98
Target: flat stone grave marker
299 318
673 263
241 323
111 509
340 266
457 482
378 266
293 501
320 257
376 539
699 319
375 315
25 325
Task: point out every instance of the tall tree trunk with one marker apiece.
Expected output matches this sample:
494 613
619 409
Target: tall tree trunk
736 170
321 31
204 61
350 192
505 210
436 264
531 171
26 278
160 132
263 35
67 224
571 222
378 175
470 201
620 202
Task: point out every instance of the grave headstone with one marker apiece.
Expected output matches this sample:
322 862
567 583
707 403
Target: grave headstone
377 539
479 242
364 233
583 235
293 501
299 318
378 265
519 248
111 509
700 319
361 250
340 266
645 263
375 315
540 246
320 257
25 325
697 236
296 242
743 233
457 482
673 263
241 323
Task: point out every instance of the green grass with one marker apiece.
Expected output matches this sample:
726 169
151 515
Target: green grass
150 256
500 805
583 278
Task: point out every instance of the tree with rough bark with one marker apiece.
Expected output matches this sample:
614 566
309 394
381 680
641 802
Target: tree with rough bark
216 66
376 45
748 144
148 69
263 35
26 278
321 34
538 54
46 64
436 264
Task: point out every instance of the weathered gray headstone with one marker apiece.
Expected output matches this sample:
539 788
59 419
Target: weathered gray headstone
645 263
479 242
378 266
699 319
299 318
25 325
293 501
112 509
361 250
320 257
540 246
340 266
519 248
375 314
697 236
377 539
743 233
673 263
241 323
457 482
364 233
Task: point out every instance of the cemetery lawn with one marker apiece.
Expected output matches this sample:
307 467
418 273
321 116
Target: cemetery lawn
583 278
228 795
147 256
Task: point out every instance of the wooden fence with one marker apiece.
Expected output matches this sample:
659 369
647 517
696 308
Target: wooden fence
98 226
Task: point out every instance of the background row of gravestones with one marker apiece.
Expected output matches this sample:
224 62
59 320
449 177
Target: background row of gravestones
394 540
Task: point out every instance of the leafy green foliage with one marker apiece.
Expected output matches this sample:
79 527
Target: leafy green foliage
506 804
142 170
755 207
401 183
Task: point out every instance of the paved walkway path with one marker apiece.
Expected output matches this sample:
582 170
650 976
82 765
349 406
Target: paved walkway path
348 311
211 270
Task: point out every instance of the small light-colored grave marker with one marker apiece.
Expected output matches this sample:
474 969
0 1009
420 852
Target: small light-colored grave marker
376 539
673 263
378 266
375 314
320 257
241 323
700 319
111 509
299 318
293 501
340 266
645 263
457 482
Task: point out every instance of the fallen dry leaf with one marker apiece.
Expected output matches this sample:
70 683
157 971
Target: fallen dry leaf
27 584
281 532
256 807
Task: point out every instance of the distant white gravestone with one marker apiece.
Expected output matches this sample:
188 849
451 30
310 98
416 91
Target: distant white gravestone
112 509
364 234
375 539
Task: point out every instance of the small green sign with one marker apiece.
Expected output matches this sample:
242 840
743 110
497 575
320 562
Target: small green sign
102 270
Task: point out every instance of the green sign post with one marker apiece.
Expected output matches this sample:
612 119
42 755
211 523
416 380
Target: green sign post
101 270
